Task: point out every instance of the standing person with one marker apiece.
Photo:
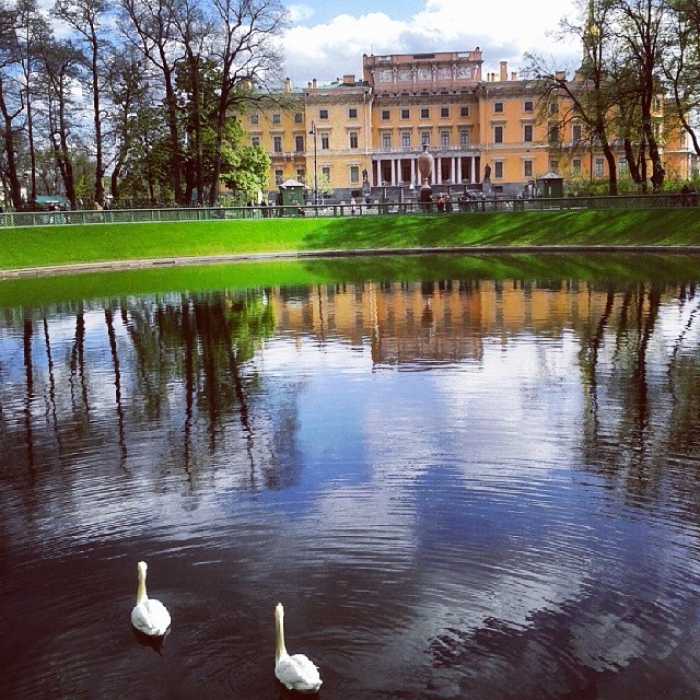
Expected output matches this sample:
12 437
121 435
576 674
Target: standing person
352 206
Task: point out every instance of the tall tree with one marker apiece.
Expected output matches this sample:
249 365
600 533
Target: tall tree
88 19
640 33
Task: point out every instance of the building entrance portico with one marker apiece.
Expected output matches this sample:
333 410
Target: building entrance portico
402 169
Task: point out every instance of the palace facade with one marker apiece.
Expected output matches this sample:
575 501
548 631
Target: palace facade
362 137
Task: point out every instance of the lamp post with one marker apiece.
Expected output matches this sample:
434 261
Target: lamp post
313 133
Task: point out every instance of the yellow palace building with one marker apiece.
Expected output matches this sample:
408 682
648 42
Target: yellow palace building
362 137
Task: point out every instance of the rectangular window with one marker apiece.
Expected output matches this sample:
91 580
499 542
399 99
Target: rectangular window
576 166
527 168
323 114
277 144
444 138
325 142
354 174
299 144
298 118
599 167
406 139
276 119
254 118
622 165
279 174
464 111
444 112
386 115
498 107
554 107
498 169
464 138
528 106
301 174
553 166
498 134
326 172
255 141
386 142
352 113
425 138
576 133
425 113
405 114
354 139
527 133
553 133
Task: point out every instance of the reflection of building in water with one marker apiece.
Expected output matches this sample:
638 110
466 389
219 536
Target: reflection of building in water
441 321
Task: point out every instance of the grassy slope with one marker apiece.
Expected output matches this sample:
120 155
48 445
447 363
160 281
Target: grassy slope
58 245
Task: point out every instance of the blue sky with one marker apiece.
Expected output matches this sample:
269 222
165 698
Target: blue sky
327 39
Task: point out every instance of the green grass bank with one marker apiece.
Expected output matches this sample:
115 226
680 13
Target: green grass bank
61 245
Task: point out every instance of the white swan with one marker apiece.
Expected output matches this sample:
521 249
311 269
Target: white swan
148 616
296 672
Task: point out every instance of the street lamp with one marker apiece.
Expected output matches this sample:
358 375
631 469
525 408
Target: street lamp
313 133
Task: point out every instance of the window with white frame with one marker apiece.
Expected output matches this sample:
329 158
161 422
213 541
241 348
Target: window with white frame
279 174
498 134
406 139
352 113
277 144
276 119
301 174
405 114
386 115
445 138
323 114
425 113
325 142
498 170
298 118
622 165
326 172
498 107
527 133
444 112
299 143
528 106
599 166
255 141
254 118
528 168
386 141
354 174
464 111
576 166
464 138
576 133
425 138
354 140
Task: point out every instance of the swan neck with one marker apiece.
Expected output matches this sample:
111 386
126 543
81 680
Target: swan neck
280 649
141 594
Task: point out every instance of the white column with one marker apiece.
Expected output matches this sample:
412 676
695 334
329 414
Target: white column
453 173
438 171
397 171
473 173
459 170
378 163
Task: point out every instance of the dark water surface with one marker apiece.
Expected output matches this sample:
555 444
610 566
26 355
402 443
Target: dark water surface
459 488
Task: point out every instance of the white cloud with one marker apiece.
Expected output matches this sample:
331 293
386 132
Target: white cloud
504 32
299 13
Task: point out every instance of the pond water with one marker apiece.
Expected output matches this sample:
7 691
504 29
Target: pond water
458 488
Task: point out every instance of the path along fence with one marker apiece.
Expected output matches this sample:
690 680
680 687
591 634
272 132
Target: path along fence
138 216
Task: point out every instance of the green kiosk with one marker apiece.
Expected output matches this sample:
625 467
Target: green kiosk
551 185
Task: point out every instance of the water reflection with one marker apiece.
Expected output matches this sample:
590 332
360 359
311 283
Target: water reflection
458 488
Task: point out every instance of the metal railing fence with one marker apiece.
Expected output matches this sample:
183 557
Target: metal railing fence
498 204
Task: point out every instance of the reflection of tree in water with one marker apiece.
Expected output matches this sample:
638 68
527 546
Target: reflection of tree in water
630 427
160 356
